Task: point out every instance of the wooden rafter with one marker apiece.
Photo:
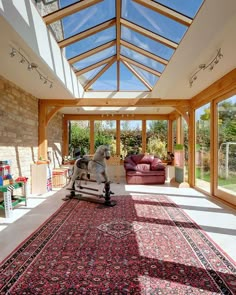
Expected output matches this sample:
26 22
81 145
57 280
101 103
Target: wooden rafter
156 73
118 75
137 75
148 33
144 52
94 66
166 11
115 117
87 33
99 74
121 102
68 10
118 28
91 52
118 37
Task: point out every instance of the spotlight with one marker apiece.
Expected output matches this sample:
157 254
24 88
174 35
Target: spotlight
204 66
13 53
30 65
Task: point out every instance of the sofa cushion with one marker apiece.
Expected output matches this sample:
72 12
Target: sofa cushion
142 159
129 166
143 167
145 173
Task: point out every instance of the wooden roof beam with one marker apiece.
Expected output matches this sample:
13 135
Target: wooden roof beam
174 15
121 102
123 117
118 27
68 10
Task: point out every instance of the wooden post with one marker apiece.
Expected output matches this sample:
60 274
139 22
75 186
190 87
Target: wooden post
42 131
92 142
170 136
179 133
214 148
118 137
192 151
65 144
144 134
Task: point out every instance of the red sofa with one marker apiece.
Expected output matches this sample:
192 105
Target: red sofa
144 169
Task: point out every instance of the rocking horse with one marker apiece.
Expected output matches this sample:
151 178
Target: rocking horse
83 169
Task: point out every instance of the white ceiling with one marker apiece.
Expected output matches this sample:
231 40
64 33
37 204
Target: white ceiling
214 27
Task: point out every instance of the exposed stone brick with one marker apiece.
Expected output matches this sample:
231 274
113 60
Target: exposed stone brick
19 130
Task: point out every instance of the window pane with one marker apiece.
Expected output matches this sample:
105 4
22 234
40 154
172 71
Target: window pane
144 60
157 138
153 21
202 147
90 42
88 18
105 133
188 8
130 137
95 58
146 43
227 145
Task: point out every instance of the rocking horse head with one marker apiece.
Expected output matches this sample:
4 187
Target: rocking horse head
102 152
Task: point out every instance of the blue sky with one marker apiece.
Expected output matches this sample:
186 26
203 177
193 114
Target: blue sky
135 13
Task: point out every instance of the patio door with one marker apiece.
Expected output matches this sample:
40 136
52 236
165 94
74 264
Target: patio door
202 148
225 149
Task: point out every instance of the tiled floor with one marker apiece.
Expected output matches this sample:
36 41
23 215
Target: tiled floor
217 219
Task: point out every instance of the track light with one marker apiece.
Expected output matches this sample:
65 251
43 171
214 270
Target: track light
210 65
30 66
13 52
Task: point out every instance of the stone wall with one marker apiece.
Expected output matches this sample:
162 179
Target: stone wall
19 130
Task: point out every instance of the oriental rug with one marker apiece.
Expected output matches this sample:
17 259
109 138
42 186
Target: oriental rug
144 245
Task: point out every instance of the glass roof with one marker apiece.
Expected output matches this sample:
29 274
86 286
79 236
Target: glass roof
121 45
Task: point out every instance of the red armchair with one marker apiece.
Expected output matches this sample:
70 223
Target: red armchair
144 169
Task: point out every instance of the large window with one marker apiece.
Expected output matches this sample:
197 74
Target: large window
202 147
226 111
105 133
130 137
157 131
79 138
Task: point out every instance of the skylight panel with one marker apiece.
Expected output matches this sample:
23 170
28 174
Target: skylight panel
129 82
95 58
84 79
153 21
149 77
146 43
91 42
188 8
64 3
142 59
108 81
89 17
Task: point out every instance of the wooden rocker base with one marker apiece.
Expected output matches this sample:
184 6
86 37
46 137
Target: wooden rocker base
81 197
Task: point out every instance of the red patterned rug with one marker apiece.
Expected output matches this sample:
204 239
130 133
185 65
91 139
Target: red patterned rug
143 245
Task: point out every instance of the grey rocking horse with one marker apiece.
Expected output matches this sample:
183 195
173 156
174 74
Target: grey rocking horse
85 168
